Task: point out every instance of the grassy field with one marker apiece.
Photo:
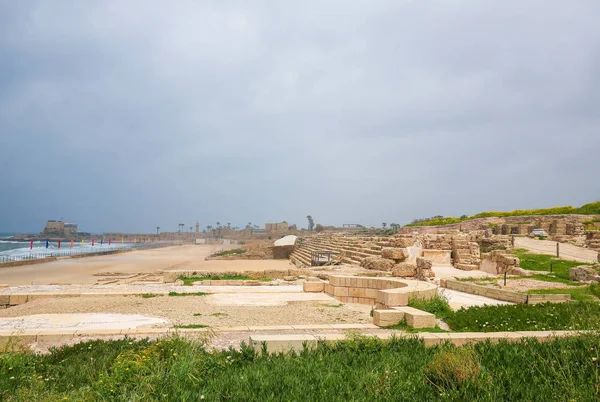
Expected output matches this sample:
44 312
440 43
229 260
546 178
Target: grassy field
174 369
542 262
518 317
587 209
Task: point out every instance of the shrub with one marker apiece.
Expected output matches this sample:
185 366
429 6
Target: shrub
453 367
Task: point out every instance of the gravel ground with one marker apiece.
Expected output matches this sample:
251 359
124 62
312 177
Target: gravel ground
523 285
198 310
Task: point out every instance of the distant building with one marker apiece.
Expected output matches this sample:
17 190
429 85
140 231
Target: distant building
278 227
59 229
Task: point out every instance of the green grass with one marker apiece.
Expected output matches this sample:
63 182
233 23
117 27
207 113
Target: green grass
523 317
582 293
579 315
148 295
403 326
438 306
190 281
587 209
190 326
541 262
175 369
187 294
224 253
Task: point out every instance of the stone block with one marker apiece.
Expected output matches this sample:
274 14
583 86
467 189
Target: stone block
378 263
251 283
356 292
340 291
417 318
16 299
4 299
466 267
392 298
386 318
313 287
371 293
404 269
548 298
396 254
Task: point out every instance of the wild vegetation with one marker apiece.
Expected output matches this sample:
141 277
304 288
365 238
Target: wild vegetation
358 370
547 263
224 253
189 281
587 209
518 317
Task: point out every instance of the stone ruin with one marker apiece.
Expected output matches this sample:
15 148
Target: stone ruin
585 273
498 262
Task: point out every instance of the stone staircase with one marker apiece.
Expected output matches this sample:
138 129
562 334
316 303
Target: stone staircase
465 253
352 249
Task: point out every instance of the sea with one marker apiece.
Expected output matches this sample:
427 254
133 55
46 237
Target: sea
12 248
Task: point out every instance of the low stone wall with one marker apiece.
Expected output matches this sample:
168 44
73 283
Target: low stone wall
441 257
501 294
26 262
173 275
380 292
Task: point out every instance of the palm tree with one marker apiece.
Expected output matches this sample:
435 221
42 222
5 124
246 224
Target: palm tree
383 224
190 229
218 224
157 229
228 225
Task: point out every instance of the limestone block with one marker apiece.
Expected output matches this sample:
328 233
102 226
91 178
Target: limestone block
313 287
340 291
4 299
386 318
251 283
404 269
392 297
16 299
417 318
356 292
441 257
396 254
584 273
378 263
466 267
549 298
424 263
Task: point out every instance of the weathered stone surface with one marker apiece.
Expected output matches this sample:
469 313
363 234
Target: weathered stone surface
404 269
500 261
290 278
403 242
424 269
584 273
378 263
396 254
424 263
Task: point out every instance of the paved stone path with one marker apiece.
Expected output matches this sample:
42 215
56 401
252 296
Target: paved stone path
567 251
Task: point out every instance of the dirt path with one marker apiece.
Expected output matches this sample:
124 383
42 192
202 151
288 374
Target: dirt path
82 270
567 251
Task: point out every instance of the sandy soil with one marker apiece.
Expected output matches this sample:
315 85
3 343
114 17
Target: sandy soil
82 270
524 284
181 310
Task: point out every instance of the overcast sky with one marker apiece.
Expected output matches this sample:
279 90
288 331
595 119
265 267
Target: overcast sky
125 115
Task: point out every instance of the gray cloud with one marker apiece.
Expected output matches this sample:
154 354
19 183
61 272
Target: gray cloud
127 115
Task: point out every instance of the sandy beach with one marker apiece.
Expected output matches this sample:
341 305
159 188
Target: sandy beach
87 269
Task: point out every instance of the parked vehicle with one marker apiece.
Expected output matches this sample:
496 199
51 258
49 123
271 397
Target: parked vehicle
539 232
